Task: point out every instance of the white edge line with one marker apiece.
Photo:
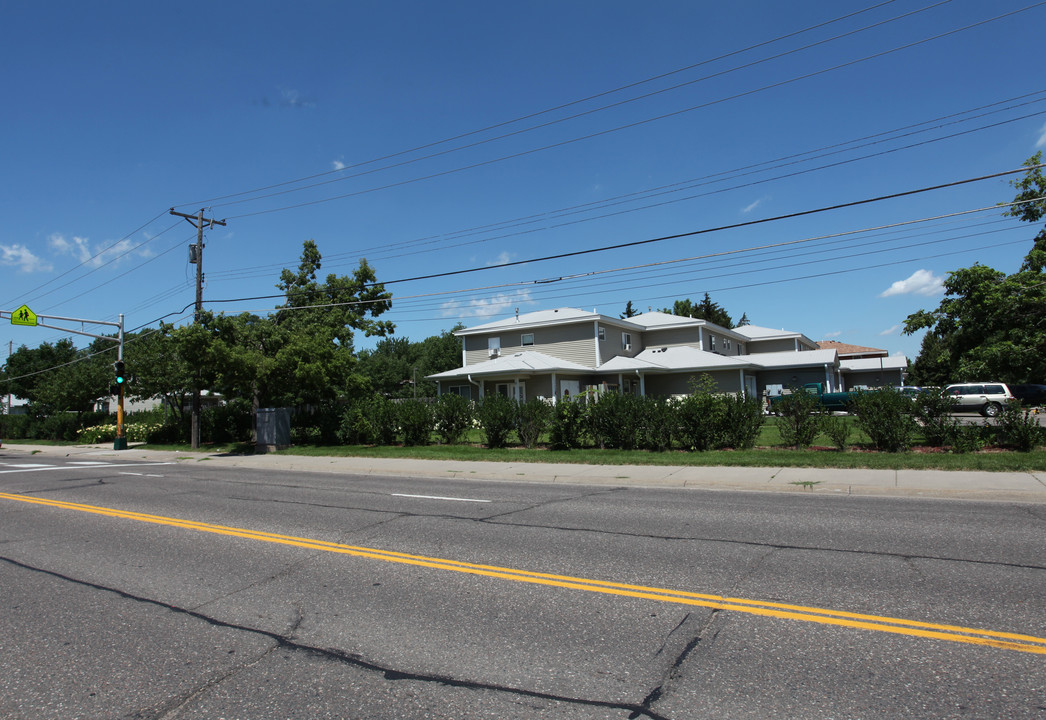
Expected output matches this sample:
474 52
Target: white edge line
438 497
83 467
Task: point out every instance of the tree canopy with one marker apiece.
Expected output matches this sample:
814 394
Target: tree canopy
990 325
708 310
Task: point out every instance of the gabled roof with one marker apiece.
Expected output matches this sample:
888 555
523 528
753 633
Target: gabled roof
521 363
541 317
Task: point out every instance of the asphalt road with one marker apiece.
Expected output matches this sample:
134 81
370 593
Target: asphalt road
139 590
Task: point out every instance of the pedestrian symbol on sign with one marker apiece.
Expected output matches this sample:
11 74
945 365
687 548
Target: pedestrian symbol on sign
23 316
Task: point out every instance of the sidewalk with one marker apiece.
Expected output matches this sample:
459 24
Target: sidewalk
996 486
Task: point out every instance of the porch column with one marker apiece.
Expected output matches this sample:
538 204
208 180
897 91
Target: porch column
828 379
642 385
741 375
555 394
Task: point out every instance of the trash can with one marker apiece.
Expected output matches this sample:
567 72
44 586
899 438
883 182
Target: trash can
274 429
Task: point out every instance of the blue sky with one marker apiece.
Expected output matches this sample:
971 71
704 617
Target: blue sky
440 137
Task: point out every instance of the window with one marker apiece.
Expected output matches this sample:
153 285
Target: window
527 340
494 346
509 391
711 339
463 390
602 333
726 344
626 341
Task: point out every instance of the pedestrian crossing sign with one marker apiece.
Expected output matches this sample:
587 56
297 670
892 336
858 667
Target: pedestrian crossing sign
23 316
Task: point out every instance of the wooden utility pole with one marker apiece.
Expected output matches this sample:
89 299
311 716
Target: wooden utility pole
196 256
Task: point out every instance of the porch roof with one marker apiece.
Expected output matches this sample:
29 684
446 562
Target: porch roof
675 359
527 362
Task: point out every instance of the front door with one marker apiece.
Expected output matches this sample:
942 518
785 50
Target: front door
569 388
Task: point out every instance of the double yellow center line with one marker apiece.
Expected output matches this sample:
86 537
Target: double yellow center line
952 633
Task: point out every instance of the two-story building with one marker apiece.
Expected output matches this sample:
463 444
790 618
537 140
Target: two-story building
564 352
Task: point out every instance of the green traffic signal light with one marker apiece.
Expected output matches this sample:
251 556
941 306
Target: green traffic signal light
120 377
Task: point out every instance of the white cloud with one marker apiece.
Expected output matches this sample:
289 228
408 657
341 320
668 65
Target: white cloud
503 259
833 334
752 206
500 304
23 258
1042 137
80 249
921 282
890 330
338 165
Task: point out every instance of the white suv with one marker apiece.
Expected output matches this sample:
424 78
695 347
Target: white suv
986 398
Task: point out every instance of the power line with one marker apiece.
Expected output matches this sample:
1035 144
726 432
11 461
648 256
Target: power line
563 143
681 186
556 108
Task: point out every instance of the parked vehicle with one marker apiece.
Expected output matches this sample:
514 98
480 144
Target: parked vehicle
1030 395
986 398
829 400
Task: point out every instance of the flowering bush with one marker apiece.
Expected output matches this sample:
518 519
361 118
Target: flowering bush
134 432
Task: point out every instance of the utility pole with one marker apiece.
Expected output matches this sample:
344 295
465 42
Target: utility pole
196 256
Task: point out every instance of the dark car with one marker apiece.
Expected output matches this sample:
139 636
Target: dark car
1030 395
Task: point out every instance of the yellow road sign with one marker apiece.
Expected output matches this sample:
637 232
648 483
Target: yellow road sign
23 316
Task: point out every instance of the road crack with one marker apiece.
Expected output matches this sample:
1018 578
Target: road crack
285 641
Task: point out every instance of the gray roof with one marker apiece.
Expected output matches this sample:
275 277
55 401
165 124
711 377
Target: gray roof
790 358
675 359
755 332
534 319
516 364
893 362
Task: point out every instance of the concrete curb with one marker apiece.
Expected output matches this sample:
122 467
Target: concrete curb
969 485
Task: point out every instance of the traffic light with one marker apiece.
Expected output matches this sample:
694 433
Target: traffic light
121 378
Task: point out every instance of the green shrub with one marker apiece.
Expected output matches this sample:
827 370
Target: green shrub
801 418
532 420
229 422
15 427
658 423
614 421
838 429
497 417
415 422
453 415
702 417
566 425
968 438
885 417
171 432
316 424
932 409
384 420
1019 429
355 427
742 420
